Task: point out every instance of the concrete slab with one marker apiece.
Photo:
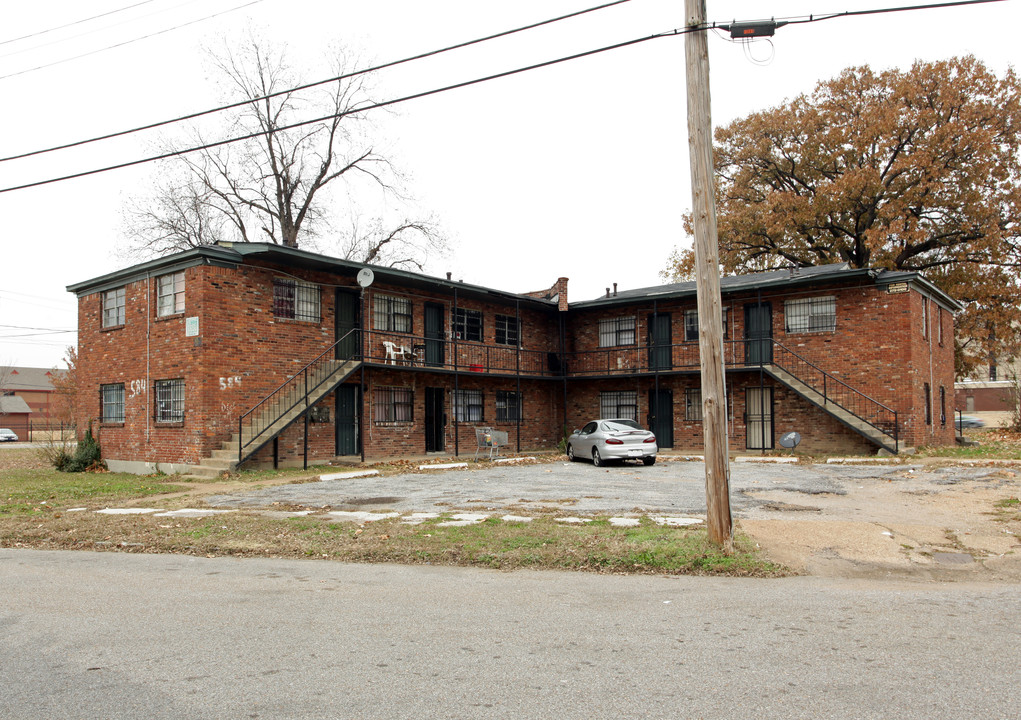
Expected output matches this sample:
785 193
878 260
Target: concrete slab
192 513
128 511
349 474
359 516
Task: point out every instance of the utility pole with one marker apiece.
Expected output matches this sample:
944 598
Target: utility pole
707 279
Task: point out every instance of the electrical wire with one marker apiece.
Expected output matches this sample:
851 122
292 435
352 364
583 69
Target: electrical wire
129 42
76 22
345 76
802 19
354 111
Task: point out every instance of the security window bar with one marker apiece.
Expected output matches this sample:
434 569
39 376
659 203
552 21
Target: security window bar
170 294
468 406
811 315
393 405
693 405
925 317
296 300
169 401
928 403
467 324
508 330
617 331
619 404
113 308
111 399
690 325
391 314
508 406
942 405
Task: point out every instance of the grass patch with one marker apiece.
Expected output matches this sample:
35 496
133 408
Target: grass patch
1008 510
30 491
994 444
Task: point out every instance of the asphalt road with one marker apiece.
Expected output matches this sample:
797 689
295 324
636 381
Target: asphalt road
116 635
670 487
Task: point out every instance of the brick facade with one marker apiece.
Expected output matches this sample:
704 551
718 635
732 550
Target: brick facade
229 349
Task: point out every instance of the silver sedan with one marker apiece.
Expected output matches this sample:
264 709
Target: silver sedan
612 439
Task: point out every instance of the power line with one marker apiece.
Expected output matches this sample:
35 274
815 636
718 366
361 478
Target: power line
25 335
353 111
76 22
24 327
129 42
801 19
317 83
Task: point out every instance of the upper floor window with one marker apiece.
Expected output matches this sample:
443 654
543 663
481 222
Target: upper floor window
619 404
111 400
939 325
113 307
508 330
169 401
925 317
392 314
170 294
617 331
691 324
811 315
467 324
296 300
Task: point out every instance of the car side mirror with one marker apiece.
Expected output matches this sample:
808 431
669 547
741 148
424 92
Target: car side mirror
576 432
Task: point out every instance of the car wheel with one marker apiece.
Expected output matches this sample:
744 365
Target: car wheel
649 460
570 453
597 459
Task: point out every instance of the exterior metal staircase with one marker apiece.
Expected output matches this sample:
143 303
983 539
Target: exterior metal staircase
284 406
856 410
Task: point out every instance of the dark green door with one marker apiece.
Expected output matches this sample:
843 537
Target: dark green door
758 333
435 419
347 420
346 320
434 334
661 416
660 341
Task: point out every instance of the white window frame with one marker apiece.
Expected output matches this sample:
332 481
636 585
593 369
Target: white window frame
170 294
114 307
810 315
391 405
469 406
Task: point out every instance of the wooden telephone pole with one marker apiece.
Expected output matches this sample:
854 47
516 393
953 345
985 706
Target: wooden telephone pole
707 279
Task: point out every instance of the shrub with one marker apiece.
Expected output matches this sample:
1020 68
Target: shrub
86 457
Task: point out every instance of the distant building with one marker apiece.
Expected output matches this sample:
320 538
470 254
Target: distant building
15 414
35 387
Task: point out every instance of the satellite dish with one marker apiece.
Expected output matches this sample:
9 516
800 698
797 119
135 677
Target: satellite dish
365 277
790 440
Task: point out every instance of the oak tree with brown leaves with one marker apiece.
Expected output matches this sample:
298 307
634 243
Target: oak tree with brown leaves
912 170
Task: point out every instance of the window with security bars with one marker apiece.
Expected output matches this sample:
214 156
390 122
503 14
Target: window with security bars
468 406
113 308
811 315
467 324
927 392
393 405
617 331
111 399
693 404
391 314
942 405
296 300
619 404
170 294
691 324
508 406
169 401
508 330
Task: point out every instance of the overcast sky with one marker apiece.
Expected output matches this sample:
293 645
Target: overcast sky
577 170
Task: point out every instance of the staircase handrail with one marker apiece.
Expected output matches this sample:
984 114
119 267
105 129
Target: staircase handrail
829 398
288 384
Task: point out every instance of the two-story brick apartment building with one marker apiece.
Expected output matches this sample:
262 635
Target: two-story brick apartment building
265 353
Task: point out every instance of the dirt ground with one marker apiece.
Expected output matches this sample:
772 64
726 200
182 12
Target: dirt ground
882 528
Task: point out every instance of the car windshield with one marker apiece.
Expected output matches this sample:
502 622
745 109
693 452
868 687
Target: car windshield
620 425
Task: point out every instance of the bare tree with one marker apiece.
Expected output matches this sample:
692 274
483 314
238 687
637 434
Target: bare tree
273 187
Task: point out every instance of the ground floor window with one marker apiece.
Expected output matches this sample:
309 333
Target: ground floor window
169 401
693 405
111 399
393 405
759 418
619 404
468 406
928 403
508 405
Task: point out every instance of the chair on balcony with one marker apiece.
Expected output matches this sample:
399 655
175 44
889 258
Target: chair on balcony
395 352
